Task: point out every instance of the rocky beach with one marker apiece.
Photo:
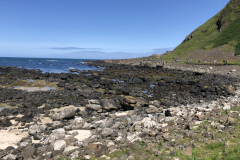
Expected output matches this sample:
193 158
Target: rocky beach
128 110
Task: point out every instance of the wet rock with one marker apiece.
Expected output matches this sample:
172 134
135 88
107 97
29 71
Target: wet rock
65 114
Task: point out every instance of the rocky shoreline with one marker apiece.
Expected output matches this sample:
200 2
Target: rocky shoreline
88 114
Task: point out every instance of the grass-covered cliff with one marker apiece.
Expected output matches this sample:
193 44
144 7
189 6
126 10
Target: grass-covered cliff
218 38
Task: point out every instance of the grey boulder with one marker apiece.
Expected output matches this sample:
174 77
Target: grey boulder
109 104
65 114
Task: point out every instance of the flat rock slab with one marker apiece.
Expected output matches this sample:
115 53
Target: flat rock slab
82 134
121 114
11 138
33 89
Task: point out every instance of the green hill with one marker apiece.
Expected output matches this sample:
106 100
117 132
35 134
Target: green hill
218 38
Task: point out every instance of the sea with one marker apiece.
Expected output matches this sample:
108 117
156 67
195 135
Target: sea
52 65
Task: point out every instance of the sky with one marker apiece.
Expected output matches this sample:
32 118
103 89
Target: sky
99 29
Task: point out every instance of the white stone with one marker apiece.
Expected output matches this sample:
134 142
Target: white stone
151 106
120 114
133 137
198 122
118 138
148 122
199 113
104 156
164 125
77 123
37 129
87 157
195 127
59 131
149 115
222 126
86 125
227 107
179 113
208 110
110 143
95 107
101 121
201 109
59 145
93 101
82 134
74 155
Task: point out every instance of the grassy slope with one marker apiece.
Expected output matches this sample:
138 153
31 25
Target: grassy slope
208 36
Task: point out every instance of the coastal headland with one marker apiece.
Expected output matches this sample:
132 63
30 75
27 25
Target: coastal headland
132 109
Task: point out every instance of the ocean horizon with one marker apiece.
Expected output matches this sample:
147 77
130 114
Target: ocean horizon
52 65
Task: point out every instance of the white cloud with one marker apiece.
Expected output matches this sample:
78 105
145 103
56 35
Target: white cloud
162 50
100 55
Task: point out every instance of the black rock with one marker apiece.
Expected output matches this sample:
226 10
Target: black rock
168 113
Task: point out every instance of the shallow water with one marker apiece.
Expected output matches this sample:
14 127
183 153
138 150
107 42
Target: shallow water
47 64
32 89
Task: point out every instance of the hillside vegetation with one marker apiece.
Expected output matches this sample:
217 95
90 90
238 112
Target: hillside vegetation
221 31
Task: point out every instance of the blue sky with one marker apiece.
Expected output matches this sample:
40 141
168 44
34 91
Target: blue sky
97 29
